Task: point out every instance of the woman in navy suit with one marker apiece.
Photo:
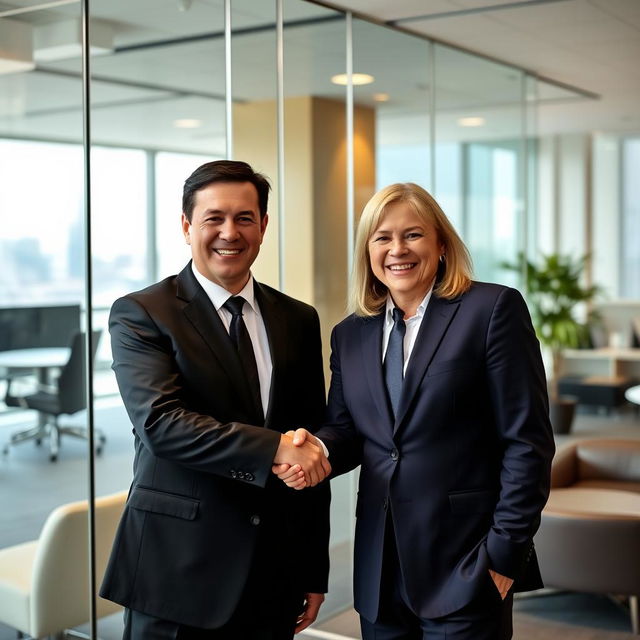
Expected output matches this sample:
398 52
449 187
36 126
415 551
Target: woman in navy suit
438 392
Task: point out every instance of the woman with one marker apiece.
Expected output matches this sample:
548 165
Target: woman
438 392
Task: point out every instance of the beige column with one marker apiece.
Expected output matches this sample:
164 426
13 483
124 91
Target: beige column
315 194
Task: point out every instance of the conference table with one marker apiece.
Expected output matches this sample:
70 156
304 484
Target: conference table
41 360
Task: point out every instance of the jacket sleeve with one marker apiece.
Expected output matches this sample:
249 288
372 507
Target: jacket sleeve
154 394
339 434
518 394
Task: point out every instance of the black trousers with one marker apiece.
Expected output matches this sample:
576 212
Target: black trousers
487 617
268 608
140 626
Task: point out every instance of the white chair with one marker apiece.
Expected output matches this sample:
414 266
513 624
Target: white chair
44 584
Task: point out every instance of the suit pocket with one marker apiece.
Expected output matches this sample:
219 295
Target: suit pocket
478 501
168 504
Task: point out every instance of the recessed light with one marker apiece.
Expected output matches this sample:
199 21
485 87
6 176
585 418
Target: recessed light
356 78
187 123
472 121
381 97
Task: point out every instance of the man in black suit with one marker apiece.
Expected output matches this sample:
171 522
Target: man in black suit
214 368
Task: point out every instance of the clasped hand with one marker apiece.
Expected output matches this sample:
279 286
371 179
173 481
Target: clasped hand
300 461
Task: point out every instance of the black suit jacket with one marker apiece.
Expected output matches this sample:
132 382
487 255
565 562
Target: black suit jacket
203 492
464 467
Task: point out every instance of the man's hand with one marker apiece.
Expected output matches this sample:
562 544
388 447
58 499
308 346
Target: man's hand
503 584
302 454
309 613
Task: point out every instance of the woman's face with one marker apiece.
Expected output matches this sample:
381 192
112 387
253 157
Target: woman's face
404 251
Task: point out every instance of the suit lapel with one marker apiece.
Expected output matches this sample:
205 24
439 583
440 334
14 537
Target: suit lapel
205 319
275 325
371 342
436 321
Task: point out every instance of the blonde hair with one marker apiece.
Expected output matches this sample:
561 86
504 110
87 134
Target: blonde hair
367 295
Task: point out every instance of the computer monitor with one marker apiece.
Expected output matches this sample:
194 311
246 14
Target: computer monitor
29 327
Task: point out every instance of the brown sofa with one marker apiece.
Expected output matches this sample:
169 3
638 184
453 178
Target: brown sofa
589 537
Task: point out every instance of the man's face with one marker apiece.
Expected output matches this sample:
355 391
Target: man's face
225 232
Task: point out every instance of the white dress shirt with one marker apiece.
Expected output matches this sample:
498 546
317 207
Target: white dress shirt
412 324
255 326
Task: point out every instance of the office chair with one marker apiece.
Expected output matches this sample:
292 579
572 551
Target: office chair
67 396
44 583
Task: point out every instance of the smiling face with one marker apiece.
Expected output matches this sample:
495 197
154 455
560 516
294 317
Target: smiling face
404 251
225 232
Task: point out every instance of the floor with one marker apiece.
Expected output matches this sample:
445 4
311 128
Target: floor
31 486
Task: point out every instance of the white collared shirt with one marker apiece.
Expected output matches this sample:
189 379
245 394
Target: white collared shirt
255 326
412 324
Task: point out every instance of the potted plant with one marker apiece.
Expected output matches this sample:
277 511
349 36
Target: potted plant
554 291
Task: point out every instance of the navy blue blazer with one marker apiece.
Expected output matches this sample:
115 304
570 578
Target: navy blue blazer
464 468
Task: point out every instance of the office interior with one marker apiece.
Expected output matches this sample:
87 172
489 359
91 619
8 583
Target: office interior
107 106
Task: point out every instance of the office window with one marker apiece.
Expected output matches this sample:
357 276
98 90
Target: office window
41 200
630 227
119 222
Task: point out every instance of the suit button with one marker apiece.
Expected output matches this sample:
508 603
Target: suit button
255 520
249 476
233 473
385 504
394 454
241 475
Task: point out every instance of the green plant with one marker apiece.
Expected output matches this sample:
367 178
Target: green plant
553 290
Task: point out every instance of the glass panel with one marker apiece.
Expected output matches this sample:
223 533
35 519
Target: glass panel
316 215
480 157
42 317
158 112
630 255
253 57
392 110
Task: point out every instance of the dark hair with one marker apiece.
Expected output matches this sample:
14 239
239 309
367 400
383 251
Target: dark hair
224 171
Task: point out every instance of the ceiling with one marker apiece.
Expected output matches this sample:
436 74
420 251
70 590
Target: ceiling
593 45
169 63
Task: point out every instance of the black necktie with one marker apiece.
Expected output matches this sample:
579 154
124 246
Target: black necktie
240 337
394 359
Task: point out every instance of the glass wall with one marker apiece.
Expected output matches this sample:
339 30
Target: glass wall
630 227
42 304
458 125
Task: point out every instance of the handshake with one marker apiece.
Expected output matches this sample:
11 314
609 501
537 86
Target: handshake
300 460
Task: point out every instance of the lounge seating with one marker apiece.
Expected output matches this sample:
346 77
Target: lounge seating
589 537
44 584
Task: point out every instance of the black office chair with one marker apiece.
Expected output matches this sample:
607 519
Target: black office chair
67 396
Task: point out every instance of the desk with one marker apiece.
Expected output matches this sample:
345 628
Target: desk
608 361
40 359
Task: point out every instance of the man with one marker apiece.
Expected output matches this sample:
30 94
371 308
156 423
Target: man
213 369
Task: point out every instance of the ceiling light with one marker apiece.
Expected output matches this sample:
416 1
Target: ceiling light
472 121
356 78
381 97
187 123
62 40
16 45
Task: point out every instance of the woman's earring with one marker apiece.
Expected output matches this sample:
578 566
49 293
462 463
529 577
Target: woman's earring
442 258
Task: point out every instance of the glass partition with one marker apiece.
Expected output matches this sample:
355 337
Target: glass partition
43 459
480 157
